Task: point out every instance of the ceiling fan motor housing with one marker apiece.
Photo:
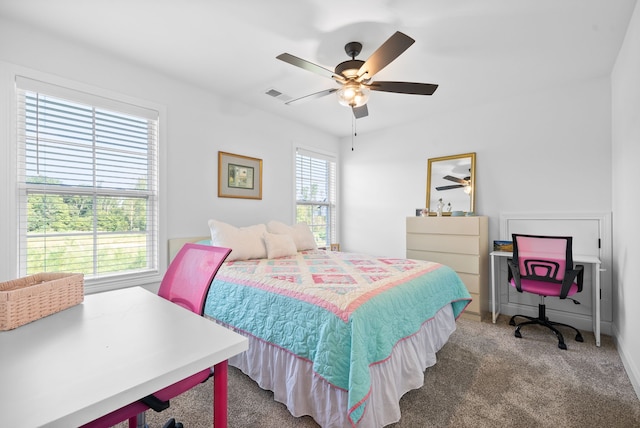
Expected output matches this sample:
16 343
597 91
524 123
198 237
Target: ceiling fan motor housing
349 69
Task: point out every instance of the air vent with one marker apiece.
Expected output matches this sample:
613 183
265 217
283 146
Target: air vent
277 94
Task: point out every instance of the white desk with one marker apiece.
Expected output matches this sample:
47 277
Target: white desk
116 347
591 260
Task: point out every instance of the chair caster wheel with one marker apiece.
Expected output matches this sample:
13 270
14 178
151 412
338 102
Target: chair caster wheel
512 322
171 423
579 338
517 334
562 345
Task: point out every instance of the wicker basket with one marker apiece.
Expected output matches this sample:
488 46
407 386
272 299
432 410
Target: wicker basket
33 297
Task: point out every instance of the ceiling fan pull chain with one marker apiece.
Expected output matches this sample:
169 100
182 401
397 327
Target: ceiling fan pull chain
353 130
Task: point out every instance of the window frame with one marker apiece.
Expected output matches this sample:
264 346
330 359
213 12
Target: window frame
148 277
333 205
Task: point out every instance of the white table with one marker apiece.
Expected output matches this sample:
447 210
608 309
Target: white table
590 260
116 347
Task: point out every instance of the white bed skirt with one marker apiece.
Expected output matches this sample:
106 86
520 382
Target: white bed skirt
293 382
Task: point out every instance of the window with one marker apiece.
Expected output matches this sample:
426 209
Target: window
316 195
87 183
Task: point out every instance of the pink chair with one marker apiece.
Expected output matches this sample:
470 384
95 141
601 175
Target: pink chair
186 283
543 265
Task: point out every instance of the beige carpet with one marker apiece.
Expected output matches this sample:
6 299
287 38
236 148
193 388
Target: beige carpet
484 377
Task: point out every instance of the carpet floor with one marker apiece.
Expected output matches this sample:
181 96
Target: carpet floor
484 377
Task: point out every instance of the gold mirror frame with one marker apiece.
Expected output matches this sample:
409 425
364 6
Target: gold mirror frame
461 172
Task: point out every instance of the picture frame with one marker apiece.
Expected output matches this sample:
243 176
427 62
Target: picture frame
239 176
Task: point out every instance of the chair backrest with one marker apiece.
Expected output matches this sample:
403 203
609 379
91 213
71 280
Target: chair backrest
190 274
543 258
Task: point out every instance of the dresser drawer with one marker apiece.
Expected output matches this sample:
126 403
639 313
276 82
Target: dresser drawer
463 244
474 306
464 263
472 282
444 225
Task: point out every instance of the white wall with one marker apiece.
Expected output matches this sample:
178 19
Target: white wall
197 125
535 152
626 203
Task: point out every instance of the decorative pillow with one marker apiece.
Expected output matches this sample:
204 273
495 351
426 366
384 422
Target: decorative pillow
279 245
245 242
301 234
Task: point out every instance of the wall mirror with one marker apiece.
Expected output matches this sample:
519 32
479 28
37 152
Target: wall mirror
452 179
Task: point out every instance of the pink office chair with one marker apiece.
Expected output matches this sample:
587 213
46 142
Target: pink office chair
186 283
543 265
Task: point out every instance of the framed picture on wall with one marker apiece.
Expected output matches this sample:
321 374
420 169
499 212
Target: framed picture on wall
239 176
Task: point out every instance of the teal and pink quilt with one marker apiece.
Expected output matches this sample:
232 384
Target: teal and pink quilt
342 312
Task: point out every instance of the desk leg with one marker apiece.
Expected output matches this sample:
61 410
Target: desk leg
596 299
220 394
494 313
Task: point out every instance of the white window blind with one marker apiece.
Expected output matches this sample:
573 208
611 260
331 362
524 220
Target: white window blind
316 195
87 183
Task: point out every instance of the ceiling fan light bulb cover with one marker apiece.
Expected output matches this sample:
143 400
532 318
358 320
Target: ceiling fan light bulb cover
353 95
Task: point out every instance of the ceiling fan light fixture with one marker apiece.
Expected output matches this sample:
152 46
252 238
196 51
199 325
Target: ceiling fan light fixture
353 94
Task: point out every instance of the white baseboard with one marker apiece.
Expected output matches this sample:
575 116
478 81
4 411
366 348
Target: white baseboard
629 366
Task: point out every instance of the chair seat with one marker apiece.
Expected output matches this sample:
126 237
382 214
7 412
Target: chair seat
183 385
544 288
136 407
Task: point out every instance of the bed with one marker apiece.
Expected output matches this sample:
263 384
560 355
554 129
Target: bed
338 336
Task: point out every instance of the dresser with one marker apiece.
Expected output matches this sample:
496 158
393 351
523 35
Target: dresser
461 243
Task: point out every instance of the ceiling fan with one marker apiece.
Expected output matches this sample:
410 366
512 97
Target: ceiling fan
462 182
355 75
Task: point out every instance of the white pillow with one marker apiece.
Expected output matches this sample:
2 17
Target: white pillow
279 245
245 242
301 234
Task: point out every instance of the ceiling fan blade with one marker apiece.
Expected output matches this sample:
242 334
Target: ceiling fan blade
313 96
404 87
453 186
360 112
455 179
385 54
309 66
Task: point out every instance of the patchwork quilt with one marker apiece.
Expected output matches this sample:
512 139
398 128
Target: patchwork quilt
342 312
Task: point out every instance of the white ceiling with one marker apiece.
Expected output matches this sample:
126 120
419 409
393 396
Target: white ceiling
476 50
